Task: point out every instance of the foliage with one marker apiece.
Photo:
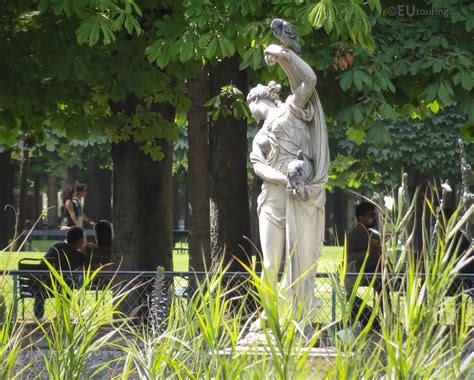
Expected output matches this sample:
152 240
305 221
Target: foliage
230 102
418 146
11 335
347 19
419 63
72 335
138 55
78 83
180 153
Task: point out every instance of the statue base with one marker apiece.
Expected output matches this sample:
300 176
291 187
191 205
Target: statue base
318 362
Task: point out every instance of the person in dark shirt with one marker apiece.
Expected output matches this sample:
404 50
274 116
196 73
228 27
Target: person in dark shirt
63 256
363 242
69 209
67 254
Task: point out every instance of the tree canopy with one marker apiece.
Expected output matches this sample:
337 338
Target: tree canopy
427 147
66 62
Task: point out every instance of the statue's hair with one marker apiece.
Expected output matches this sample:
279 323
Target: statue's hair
269 92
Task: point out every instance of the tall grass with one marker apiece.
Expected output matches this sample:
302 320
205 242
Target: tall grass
202 336
79 330
13 335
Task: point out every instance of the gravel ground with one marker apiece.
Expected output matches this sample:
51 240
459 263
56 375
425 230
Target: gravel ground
31 365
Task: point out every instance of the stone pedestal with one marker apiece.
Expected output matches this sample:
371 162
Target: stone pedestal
318 362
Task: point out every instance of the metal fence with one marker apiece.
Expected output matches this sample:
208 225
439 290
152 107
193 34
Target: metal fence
153 292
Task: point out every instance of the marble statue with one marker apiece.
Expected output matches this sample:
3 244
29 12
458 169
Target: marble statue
290 154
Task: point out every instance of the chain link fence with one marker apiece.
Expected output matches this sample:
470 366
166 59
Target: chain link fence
150 294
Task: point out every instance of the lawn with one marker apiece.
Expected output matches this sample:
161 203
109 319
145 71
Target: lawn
330 259
9 261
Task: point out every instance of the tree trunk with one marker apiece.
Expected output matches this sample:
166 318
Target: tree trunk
21 201
98 202
142 212
230 221
142 220
416 181
52 194
198 174
70 177
5 189
37 202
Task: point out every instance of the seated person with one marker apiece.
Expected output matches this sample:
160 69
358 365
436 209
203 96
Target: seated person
101 252
363 241
64 256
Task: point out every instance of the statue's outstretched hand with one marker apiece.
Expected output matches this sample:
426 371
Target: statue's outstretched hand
274 52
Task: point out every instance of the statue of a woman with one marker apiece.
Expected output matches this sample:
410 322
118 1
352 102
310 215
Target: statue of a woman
291 217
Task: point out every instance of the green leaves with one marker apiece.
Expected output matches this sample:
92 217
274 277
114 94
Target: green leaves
361 78
430 92
445 92
464 79
323 15
434 106
131 24
378 135
427 146
356 135
230 102
159 52
8 136
345 20
89 31
386 110
211 49
252 58
227 48
91 28
346 80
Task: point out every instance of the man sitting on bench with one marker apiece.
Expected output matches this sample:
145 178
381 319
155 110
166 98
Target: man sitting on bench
64 256
363 241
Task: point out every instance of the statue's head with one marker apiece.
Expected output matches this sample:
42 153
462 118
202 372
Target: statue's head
270 92
263 98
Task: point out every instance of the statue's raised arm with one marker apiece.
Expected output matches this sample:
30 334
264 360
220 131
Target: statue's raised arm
301 76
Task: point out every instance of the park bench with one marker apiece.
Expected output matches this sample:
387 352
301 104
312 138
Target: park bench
33 273
30 284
